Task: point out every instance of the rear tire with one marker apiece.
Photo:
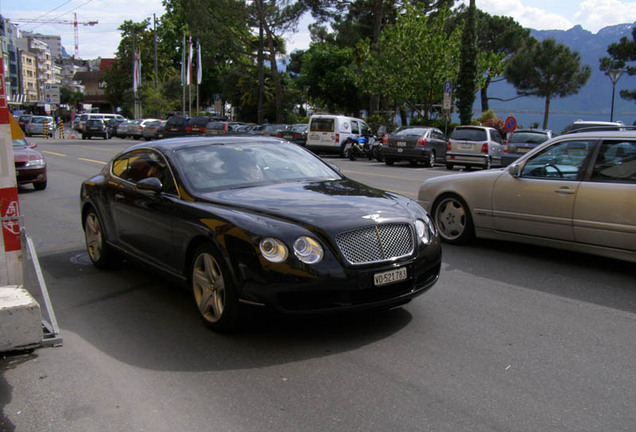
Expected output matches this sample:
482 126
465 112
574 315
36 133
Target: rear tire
389 162
430 162
39 185
449 166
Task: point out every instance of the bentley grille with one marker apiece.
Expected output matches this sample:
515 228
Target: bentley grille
376 243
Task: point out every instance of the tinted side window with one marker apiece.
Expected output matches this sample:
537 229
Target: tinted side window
144 164
616 162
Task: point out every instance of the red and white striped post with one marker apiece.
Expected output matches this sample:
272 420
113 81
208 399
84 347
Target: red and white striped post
9 203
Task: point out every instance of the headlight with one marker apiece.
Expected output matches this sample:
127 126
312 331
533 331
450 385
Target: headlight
425 229
308 250
273 250
35 163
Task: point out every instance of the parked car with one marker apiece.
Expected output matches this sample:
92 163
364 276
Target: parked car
296 133
113 125
328 133
259 221
222 127
474 146
30 166
136 129
590 126
521 141
36 125
154 130
268 129
574 192
123 128
95 127
23 120
175 126
196 125
415 144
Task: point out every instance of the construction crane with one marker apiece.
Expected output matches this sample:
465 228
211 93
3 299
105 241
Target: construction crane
73 22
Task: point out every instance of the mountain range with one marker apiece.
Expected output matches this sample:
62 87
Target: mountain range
594 100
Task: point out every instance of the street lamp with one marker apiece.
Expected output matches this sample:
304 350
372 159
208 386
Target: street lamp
614 75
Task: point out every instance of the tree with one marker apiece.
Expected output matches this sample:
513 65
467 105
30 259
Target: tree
498 38
415 79
467 79
328 76
621 53
547 69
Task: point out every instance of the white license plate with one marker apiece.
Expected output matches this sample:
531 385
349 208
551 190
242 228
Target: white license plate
523 150
389 277
401 143
466 146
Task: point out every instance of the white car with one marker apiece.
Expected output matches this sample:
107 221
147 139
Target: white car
474 146
574 192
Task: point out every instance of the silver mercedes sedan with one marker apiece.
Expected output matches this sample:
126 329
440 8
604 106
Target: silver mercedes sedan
574 192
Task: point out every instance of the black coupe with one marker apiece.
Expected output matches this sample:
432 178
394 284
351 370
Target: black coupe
259 221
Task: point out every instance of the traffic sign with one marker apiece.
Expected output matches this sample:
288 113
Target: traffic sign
510 124
448 91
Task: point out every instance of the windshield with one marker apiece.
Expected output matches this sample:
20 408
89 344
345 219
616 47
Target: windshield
528 137
321 125
215 166
469 134
410 131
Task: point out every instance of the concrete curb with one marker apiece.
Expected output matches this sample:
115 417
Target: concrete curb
20 319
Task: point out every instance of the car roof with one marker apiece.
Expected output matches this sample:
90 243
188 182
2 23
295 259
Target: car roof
597 134
171 144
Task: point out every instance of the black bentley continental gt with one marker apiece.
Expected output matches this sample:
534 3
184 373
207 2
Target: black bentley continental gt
251 220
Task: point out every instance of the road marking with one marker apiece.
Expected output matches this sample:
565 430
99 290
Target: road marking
53 153
93 161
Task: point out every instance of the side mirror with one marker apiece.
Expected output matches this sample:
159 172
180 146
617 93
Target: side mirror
514 170
151 184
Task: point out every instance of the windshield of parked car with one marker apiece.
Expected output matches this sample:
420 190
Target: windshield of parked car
410 131
469 134
322 125
528 137
217 166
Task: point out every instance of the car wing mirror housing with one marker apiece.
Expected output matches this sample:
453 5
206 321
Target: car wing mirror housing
515 170
151 184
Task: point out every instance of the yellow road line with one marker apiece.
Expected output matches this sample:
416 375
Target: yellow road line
53 153
92 161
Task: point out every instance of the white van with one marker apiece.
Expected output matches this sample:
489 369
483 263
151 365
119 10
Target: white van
327 133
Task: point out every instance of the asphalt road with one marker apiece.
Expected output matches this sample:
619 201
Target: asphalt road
512 338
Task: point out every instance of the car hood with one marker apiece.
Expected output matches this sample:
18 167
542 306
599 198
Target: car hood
338 204
24 154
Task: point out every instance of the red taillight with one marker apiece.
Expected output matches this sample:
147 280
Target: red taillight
188 128
337 138
421 141
224 127
506 147
449 147
298 136
484 148
385 139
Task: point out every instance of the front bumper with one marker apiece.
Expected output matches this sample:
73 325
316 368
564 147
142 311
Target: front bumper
343 288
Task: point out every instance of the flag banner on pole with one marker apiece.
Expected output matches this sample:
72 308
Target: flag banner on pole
183 62
137 71
189 72
199 66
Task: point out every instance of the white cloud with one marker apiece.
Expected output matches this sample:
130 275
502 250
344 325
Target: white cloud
593 15
527 16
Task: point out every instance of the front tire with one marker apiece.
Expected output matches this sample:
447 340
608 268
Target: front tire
213 290
39 185
100 253
453 220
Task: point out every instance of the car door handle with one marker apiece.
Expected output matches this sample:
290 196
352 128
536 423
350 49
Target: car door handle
565 190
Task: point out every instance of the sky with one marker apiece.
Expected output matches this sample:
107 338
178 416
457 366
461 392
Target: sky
102 39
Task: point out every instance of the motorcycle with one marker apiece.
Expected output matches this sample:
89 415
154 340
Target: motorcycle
356 147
